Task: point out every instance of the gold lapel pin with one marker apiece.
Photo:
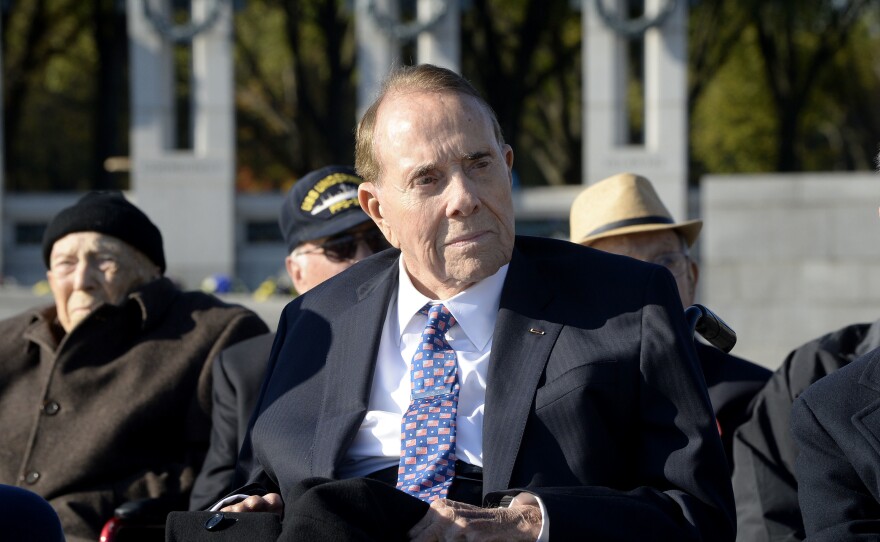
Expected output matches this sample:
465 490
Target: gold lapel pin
536 331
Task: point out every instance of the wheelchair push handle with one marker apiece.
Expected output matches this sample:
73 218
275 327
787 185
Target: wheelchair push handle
710 327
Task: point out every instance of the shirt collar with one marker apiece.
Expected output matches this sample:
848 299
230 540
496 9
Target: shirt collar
475 309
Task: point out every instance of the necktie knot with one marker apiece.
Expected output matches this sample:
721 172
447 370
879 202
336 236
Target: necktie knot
439 317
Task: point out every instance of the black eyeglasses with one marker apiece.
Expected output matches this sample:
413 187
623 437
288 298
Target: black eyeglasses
344 246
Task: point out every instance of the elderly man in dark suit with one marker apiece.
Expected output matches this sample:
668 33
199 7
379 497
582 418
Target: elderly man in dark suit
624 215
326 232
105 395
557 380
836 429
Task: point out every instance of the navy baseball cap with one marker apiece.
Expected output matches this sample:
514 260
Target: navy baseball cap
321 204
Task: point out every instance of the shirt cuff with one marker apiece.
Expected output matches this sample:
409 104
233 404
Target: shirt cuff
531 498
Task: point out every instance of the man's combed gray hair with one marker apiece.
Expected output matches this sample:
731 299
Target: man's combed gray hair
421 78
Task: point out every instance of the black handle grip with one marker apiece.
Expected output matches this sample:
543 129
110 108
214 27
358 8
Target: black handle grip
710 327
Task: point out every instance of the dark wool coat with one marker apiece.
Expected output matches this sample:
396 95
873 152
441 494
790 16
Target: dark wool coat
835 425
119 409
764 454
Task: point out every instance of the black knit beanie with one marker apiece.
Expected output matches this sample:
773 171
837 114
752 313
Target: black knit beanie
111 214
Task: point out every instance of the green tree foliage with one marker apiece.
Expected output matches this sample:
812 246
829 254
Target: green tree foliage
792 87
295 89
733 123
775 85
49 92
525 56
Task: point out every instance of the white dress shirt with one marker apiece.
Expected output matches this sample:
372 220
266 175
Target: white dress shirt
377 444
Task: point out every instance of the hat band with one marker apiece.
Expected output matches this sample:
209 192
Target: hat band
631 222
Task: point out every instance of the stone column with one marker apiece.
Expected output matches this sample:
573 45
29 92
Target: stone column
441 43
380 33
377 50
188 193
663 156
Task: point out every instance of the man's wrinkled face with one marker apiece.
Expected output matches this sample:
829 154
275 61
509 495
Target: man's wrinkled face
88 269
444 192
663 247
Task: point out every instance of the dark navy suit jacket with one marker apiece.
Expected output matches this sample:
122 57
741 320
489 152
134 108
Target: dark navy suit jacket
236 375
594 398
836 427
732 382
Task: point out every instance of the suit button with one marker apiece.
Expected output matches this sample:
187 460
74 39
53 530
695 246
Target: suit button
32 477
51 408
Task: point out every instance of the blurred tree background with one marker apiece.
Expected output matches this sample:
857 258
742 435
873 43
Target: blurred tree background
774 85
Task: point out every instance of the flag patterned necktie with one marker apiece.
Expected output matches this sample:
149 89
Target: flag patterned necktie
427 435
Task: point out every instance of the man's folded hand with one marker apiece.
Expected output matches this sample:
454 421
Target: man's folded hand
450 520
271 502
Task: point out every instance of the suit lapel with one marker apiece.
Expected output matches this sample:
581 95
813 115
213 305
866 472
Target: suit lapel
521 346
352 360
867 420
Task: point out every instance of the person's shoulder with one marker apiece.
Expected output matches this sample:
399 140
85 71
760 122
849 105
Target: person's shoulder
202 300
821 356
258 346
840 386
842 342
562 258
25 318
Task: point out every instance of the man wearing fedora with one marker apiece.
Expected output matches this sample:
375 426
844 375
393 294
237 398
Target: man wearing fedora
624 215
326 232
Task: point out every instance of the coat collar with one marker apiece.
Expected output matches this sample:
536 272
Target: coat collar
154 299
867 420
151 300
43 328
870 377
869 342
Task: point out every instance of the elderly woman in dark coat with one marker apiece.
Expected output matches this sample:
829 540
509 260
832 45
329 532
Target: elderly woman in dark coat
105 396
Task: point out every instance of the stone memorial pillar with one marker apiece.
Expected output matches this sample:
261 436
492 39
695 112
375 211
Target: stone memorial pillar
440 42
662 156
377 49
188 190
380 34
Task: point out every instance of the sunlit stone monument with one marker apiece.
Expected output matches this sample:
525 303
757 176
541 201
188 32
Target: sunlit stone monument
186 187
608 147
380 34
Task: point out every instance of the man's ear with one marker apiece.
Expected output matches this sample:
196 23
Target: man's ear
295 272
368 197
507 152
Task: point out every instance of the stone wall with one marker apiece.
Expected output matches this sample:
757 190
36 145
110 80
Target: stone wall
786 258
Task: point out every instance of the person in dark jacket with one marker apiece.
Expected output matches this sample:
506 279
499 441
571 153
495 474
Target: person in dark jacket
105 396
835 427
764 482
570 389
624 215
326 232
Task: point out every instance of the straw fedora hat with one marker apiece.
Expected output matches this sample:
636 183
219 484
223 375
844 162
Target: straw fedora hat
621 204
